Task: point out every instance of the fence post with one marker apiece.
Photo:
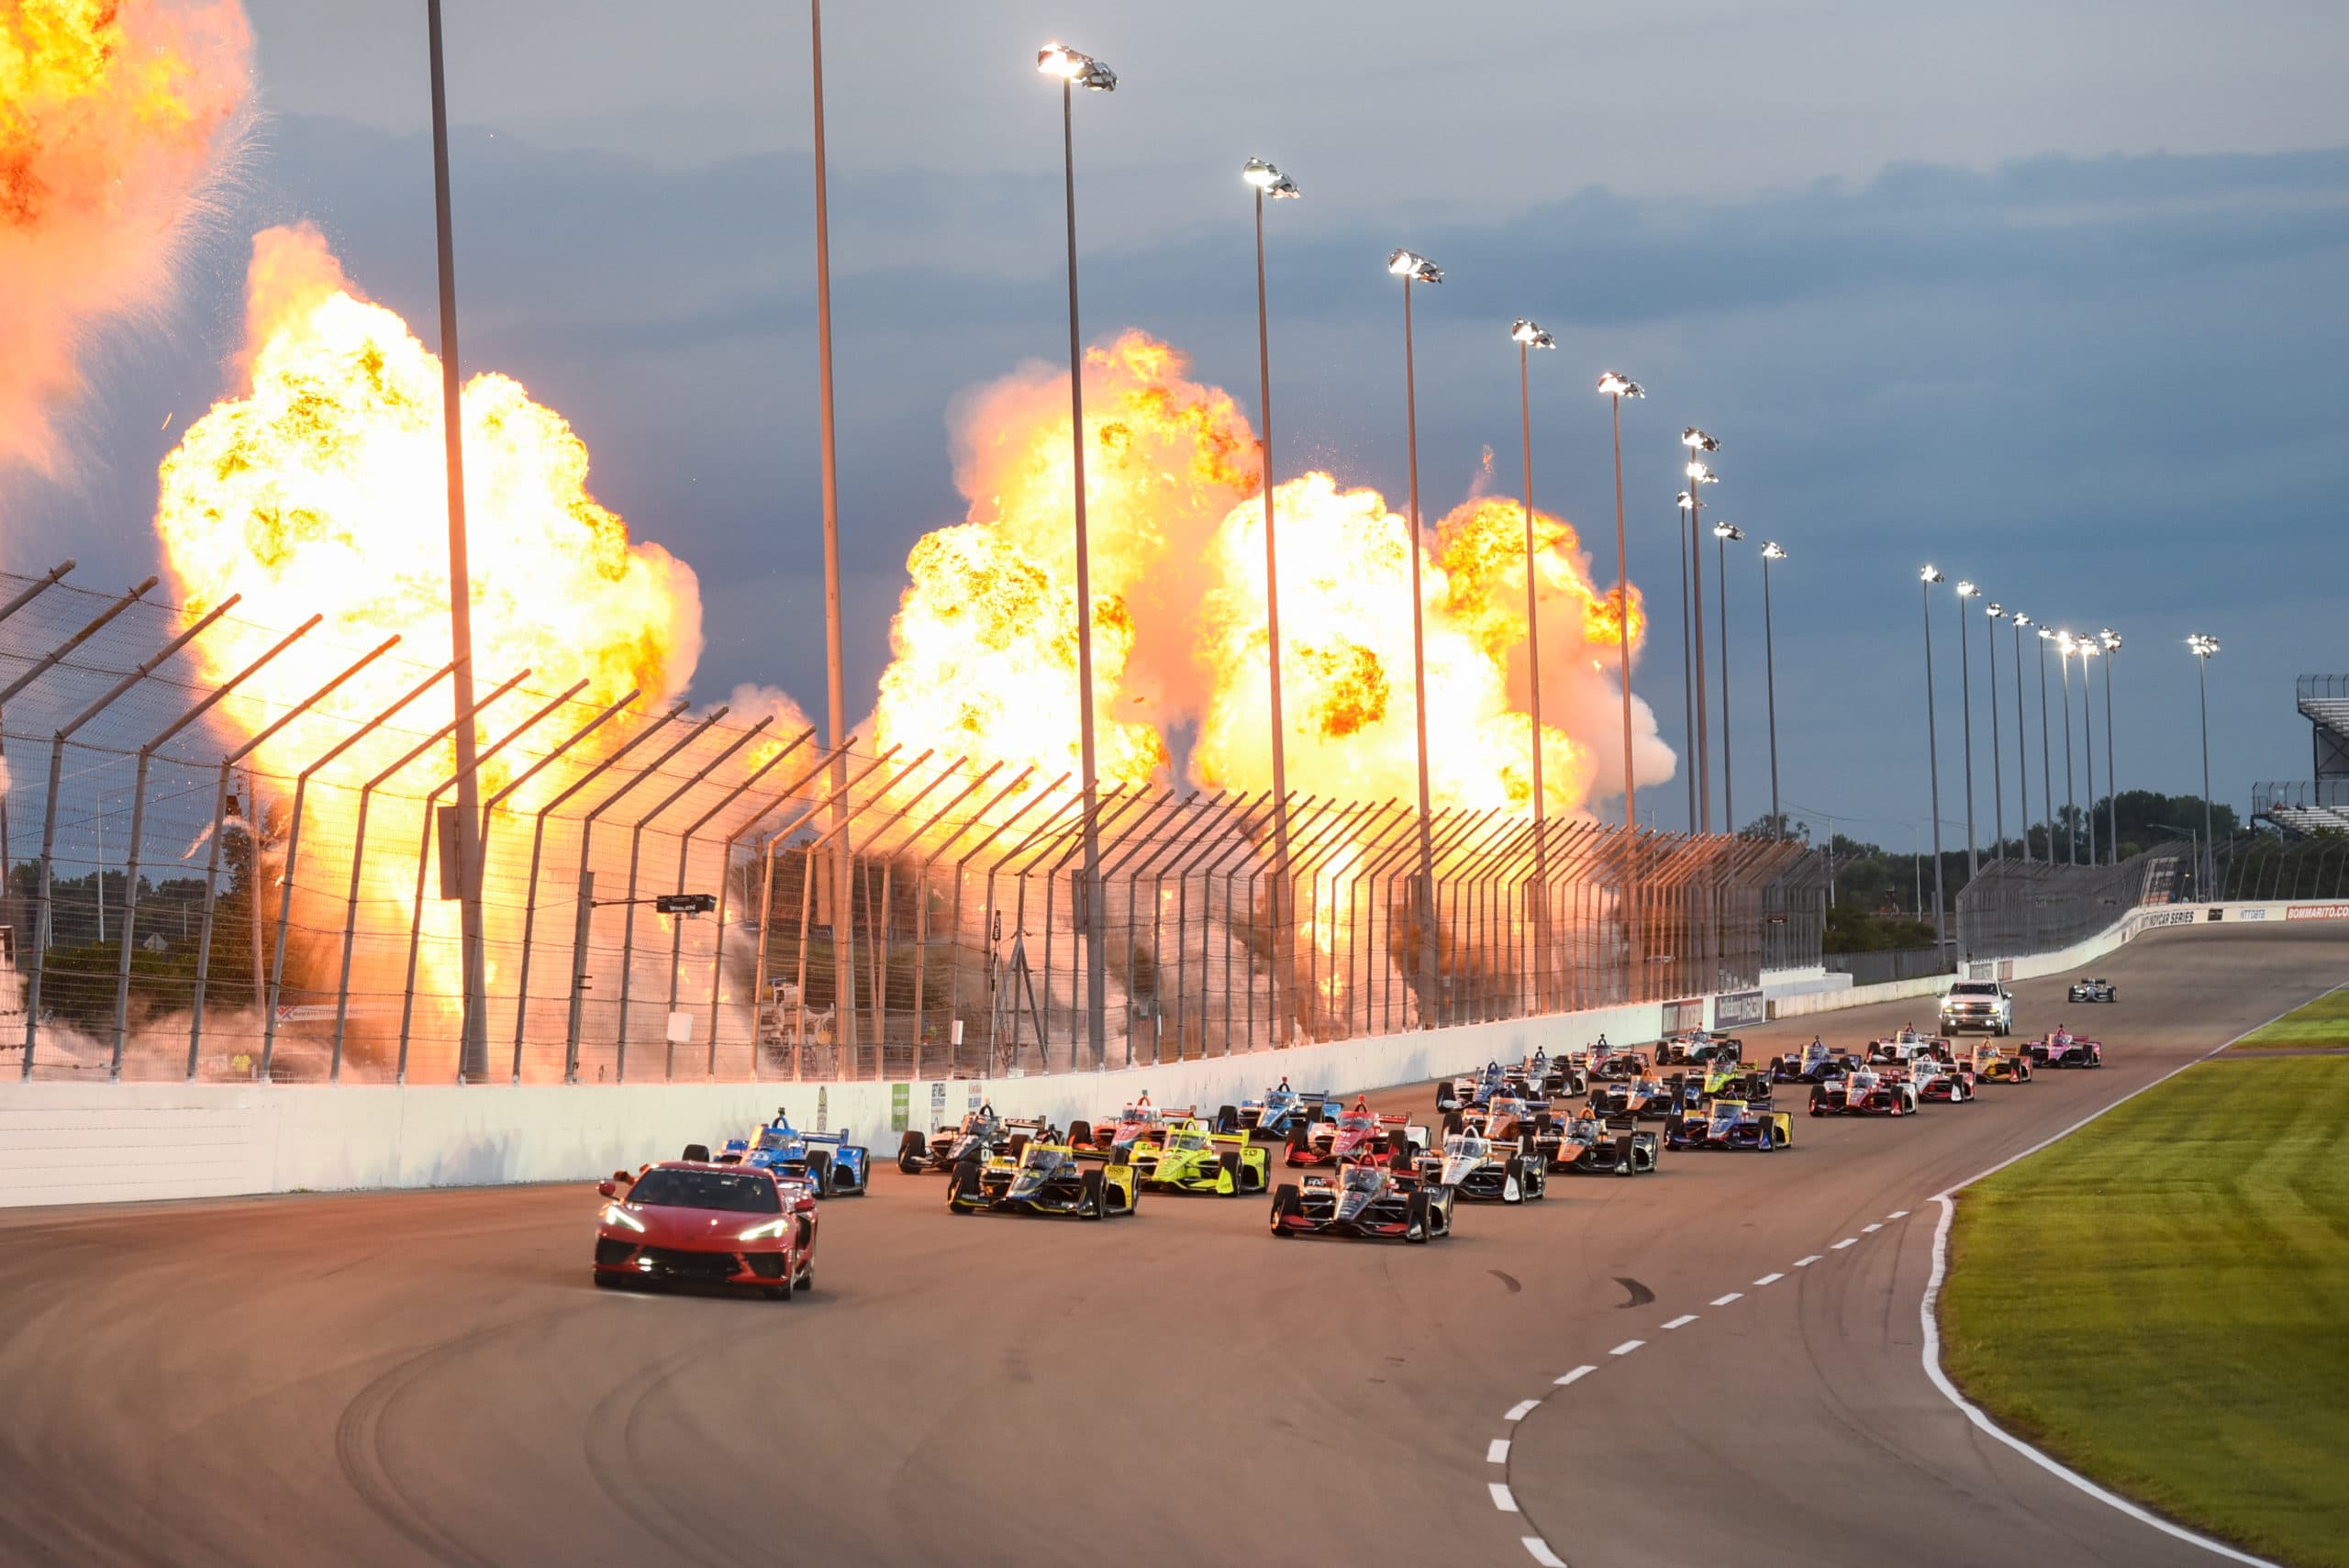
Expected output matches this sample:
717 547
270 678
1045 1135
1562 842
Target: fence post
954 953
921 905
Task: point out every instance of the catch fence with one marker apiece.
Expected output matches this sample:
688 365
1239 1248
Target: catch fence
223 847
2011 907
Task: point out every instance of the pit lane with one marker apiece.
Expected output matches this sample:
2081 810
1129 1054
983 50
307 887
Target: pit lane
427 1377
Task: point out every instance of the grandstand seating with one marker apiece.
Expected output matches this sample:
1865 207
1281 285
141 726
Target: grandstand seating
2320 805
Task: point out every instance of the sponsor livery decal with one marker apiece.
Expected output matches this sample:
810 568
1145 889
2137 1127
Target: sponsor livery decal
1734 1009
2258 914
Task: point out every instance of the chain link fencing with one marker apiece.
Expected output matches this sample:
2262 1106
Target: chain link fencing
228 855
2012 907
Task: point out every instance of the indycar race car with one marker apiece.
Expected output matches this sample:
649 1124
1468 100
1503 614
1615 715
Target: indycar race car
1281 1108
1613 1063
1590 1146
1367 1202
1137 1122
1940 1082
700 1223
981 1132
1995 1063
1185 1157
1472 1088
1863 1092
1043 1177
1697 1048
1815 1062
827 1162
1908 1045
1482 1171
2061 1048
1731 1124
1547 1076
1647 1097
1359 1133
2097 990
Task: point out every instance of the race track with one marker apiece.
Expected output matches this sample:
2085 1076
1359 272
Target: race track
429 1378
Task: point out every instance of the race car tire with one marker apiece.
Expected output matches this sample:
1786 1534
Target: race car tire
819 1173
1626 1156
1399 1154
962 1183
1286 1199
1080 1134
1537 1181
1453 1122
1091 1202
696 1151
1415 1217
1226 1119
1228 1160
1765 1142
913 1153
1512 1180
1299 1140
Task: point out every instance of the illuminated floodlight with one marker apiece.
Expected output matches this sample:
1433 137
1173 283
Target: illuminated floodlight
1414 269
1703 475
2022 620
1269 180
1686 500
1695 440
1615 384
1994 609
1966 590
1773 551
2109 638
1076 67
1728 531
1529 335
1929 575
2202 647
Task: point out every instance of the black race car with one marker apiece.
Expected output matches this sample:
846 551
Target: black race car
1590 1146
2096 990
982 1132
1364 1202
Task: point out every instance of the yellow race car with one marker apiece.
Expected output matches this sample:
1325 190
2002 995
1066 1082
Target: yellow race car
1040 1177
1188 1156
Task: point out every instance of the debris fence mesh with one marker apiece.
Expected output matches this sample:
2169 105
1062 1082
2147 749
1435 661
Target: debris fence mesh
232 858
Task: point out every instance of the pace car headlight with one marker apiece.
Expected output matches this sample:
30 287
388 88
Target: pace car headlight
615 1215
765 1231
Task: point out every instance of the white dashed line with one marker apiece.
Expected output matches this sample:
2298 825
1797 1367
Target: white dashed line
1522 1409
1627 1347
1846 1241
1577 1375
1503 1498
1897 1214
1541 1554
1497 1452
1725 1300
1866 1230
1806 1263
1682 1321
1769 1279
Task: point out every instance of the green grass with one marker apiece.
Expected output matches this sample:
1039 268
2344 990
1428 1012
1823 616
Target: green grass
2323 1022
2162 1301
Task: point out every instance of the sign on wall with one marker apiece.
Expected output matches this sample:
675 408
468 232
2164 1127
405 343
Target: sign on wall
1735 1009
2318 912
1688 1014
901 1107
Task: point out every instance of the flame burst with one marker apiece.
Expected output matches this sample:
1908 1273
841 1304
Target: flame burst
116 116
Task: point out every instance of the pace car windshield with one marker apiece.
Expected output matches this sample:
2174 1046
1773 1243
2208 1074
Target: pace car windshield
721 1190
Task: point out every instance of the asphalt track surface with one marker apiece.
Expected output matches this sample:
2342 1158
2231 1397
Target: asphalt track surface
429 1378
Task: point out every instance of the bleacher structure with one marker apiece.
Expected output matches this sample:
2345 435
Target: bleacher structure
2319 804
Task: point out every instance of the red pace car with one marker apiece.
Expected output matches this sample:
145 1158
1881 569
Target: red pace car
689 1222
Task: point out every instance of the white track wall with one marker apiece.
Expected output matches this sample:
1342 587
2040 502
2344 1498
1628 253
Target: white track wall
63 1143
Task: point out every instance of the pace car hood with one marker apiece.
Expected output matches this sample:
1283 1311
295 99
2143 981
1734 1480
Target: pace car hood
698 1229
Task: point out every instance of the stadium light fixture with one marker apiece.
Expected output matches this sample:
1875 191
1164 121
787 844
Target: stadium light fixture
1414 269
1615 384
2203 647
1268 180
1528 334
1696 441
1075 68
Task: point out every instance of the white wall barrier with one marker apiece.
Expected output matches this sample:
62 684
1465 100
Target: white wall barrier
63 1143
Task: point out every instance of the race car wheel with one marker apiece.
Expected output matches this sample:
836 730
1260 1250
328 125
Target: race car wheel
1399 1154
1091 1203
1228 1165
1080 1134
1453 1122
1626 1157
963 1188
1537 1181
1764 1141
698 1152
1512 1180
912 1153
1287 1200
819 1171
1415 1217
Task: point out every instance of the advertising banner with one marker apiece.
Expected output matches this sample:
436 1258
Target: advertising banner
900 1107
1684 1014
1735 1009
2161 918
2318 912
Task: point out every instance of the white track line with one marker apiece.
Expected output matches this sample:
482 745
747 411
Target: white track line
1503 1498
1932 1333
1897 1214
1769 1279
1682 1321
1806 1263
1627 1347
1725 1300
1497 1452
1846 1241
1576 1377
1522 1409
1540 1552
1870 1229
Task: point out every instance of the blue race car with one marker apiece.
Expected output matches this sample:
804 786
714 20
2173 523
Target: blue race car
1471 1089
827 1162
1280 1109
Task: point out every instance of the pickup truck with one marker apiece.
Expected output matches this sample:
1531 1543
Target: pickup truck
1977 1005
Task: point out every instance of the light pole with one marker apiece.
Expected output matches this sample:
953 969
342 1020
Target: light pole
2088 651
1724 534
1412 270
1965 722
1687 665
2063 646
2111 641
1268 181
473 1060
835 687
1528 336
2203 647
1997 784
1927 578
1075 70
1699 475
2046 755
2022 749
1770 552
1615 388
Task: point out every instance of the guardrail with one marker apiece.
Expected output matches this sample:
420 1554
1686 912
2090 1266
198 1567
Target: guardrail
223 848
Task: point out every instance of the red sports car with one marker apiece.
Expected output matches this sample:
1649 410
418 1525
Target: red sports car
690 1222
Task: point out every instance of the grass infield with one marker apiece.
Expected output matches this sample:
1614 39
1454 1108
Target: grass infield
2322 1024
2159 1301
